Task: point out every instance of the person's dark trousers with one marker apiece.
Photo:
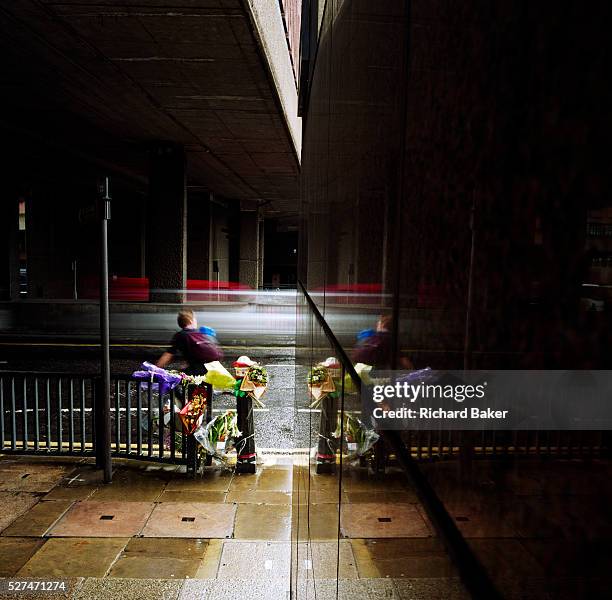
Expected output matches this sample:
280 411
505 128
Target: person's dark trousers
245 444
326 448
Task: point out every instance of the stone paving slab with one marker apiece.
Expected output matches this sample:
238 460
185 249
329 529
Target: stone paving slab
512 558
32 478
170 548
213 480
263 522
258 497
277 479
475 523
358 480
371 520
103 519
322 559
15 552
214 497
402 557
73 557
321 524
431 589
37 521
138 567
324 496
83 475
262 560
209 566
13 505
80 492
381 497
191 520
221 589
129 492
350 589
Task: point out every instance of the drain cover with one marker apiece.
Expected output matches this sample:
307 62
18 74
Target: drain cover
188 519
107 517
384 519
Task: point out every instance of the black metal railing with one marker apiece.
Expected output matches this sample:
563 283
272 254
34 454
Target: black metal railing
55 414
50 413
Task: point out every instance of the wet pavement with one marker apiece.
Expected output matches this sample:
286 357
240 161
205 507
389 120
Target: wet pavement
541 528
155 533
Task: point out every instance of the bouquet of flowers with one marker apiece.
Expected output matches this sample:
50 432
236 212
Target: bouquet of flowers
252 380
320 384
318 375
358 437
191 414
189 379
333 367
258 375
255 383
222 428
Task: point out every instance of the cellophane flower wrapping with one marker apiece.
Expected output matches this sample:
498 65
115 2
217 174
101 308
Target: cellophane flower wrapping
358 437
363 371
422 375
165 380
218 376
224 427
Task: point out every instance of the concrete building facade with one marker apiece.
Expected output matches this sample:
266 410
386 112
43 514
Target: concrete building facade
191 111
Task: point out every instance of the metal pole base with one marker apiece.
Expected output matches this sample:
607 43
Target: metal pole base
192 456
246 467
325 467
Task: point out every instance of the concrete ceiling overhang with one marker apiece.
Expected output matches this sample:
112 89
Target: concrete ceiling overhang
208 74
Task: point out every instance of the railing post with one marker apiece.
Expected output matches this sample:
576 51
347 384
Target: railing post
188 440
98 434
326 447
209 401
246 460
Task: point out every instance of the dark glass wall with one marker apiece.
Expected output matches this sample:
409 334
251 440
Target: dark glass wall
455 182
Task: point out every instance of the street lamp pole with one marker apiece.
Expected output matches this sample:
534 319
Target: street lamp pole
104 440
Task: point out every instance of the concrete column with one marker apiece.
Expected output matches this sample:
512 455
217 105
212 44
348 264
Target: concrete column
166 237
9 259
318 242
249 248
260 273
198 236
219 243
233 246
370 242
51 224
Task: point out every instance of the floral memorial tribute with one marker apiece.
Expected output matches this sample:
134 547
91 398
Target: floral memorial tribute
251 384
321 381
